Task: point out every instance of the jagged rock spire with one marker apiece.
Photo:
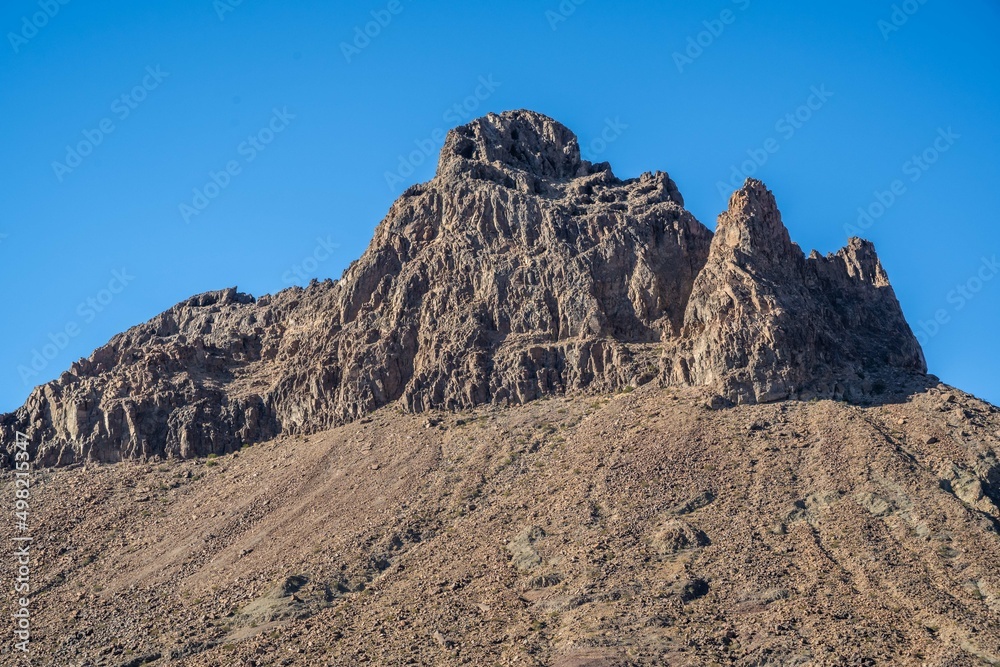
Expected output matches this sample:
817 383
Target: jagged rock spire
764 323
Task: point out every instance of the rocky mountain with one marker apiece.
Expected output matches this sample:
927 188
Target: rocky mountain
519 271
547 419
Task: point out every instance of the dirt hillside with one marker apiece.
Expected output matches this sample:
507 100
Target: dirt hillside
640 528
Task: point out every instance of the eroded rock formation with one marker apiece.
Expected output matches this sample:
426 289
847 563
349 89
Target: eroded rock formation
765 323
519 271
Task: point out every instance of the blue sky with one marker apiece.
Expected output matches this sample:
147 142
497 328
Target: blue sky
156 150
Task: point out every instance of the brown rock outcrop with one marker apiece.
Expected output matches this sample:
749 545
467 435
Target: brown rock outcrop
519 271
766 323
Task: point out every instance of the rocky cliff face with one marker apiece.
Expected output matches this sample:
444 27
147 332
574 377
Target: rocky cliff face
765 323
519 271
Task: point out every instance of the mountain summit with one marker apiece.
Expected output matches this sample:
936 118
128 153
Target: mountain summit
679 499
519 271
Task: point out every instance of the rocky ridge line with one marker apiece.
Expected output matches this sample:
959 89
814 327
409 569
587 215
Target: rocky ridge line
519 271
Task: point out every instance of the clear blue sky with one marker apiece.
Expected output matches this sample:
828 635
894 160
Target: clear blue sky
310 180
